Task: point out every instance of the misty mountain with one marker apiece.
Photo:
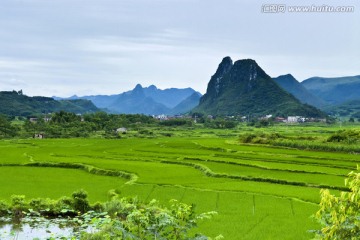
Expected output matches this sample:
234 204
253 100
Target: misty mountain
136 101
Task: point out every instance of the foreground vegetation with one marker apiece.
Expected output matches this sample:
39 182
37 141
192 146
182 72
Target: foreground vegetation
340 215
263 187
118 218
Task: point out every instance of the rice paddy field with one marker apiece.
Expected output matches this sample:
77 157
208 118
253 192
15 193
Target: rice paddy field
260 191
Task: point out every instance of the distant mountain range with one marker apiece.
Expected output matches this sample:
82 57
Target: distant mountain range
334 91
291 85
335 96
243 88
148 100
14 103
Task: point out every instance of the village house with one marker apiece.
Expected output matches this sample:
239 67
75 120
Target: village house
33 120
39 135
161 117
122 130
295 119
280 119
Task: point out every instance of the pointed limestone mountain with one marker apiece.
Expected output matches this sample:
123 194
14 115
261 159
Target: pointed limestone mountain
243 88
291 85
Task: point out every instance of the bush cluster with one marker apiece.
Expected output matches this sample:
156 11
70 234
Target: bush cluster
64 206
347 136
259 138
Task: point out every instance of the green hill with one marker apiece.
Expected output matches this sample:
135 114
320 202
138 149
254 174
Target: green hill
243 88
347 109
334 90
14 103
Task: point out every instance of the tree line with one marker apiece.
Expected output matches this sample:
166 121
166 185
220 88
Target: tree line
65 124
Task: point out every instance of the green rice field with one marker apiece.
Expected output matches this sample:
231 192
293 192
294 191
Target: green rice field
259 191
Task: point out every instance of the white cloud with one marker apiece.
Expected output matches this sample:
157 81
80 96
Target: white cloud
111 45
20 65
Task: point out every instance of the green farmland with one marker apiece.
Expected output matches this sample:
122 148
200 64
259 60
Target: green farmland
260 191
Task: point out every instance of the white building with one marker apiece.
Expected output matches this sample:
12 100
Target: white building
295 119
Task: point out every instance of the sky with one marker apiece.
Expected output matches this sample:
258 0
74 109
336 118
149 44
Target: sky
87 47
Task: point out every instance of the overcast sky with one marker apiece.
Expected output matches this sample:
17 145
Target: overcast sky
84 47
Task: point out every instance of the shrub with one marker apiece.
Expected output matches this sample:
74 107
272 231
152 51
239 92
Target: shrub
18 205
80 202
145 132
166 134
65 202
4 208
247 138
98 207
38 204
